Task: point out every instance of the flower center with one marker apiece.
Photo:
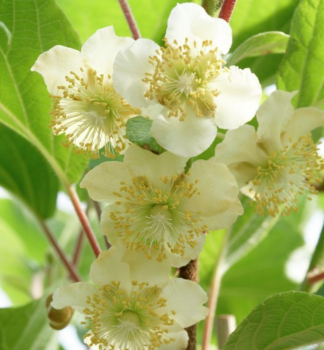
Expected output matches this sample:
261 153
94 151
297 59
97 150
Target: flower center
128 321
91 114
287 174
155 217
183 78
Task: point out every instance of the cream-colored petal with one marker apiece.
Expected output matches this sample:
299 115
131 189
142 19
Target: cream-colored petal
217 191
186 298
241 153
107 225
74 295
191 21
273 117
101 49
239 99
180 340
303 121
108 268
104 180
177 260
186 138
55 64
129 69
144 270
153 166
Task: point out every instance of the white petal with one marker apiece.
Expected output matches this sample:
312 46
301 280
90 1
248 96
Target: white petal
55 64
186 298
108 268
180 341
186 138
190 254
129 69
239 99
74 295
191 21
104 180
273 117
218 191
144 162
144 270
241 153
102 47
303 121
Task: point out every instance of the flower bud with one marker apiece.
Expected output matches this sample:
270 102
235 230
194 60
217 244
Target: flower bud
58 319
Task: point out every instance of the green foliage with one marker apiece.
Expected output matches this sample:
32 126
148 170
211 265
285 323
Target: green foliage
25 327
260 45
24 101
303 65
284 321
138 132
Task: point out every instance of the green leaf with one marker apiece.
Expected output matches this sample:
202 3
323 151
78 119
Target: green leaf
24 101
303 65
150 15
260 45
25 327
284 321
138 131
26 173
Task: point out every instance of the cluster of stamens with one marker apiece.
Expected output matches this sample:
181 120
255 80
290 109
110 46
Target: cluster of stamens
156 216
123 321
286 175
91 114
182 78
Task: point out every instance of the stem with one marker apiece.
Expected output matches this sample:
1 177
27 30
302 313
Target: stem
317 262
60 253
227 9
84 221
212 6
226 324
214 292
130 19
190 272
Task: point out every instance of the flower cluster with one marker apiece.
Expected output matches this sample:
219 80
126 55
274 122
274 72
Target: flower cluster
159 207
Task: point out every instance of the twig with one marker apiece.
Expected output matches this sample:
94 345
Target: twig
227 9
130 19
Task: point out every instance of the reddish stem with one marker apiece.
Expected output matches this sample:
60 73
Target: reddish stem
84 221
130 19
227 9
79 243
74 275
316 278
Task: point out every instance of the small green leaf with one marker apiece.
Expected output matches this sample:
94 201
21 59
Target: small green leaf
282 322
25 327
138 132
260 45
303 65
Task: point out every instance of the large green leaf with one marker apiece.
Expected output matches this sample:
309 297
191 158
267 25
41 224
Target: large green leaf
282 322
26 173
151 16
303 65
34 27
25 327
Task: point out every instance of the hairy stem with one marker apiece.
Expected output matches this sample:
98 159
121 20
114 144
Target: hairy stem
71 269
316 263
130 19
214 292
212 6
190 272
227 9
84 221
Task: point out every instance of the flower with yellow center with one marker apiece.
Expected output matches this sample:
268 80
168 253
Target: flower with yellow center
184 87
157 208
279 161
134 305
86 107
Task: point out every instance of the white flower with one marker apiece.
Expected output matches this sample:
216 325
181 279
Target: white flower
185 85
279 161
134 304
155 207
85 105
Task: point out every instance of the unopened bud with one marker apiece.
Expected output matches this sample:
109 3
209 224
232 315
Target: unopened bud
58 319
